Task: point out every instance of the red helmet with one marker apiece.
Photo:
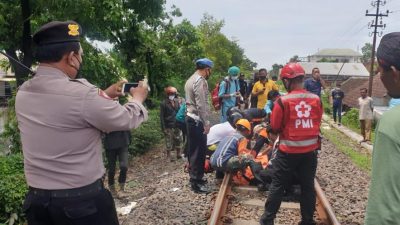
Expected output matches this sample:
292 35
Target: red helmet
291 70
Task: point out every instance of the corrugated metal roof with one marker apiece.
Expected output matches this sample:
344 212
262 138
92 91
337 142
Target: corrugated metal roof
337 52
351 88
349 69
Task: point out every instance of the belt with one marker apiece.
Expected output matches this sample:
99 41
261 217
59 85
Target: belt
92 188
193 116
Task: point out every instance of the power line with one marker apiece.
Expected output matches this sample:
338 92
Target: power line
375 24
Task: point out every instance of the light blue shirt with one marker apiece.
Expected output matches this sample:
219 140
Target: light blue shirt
268 107
393 102
233 87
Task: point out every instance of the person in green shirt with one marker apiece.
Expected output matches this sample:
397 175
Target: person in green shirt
384 192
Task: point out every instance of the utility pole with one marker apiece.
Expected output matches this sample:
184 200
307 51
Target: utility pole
374 24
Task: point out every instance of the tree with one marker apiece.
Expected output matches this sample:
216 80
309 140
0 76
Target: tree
366 53
111 20
218 47
275 70
295 58
328 60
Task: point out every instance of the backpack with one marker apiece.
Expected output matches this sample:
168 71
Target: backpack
217 101
180 115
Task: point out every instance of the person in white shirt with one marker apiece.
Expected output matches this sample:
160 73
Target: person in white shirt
365 104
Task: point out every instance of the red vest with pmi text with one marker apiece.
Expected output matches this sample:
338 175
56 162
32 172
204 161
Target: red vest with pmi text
299 123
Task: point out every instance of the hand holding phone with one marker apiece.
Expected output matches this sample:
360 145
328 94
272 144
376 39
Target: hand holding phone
126 87
139 92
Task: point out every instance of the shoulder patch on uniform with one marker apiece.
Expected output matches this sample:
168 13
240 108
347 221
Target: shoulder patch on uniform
82 81
103 94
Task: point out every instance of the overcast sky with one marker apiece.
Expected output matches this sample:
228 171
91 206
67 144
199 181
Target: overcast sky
273 31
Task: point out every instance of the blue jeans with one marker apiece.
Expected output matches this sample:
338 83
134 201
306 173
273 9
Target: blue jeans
337 109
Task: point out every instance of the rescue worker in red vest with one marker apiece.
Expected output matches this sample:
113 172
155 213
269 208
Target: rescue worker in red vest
296 119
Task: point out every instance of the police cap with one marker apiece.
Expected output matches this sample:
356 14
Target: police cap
57 32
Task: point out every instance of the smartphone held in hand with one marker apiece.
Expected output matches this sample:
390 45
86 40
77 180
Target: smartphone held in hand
127 86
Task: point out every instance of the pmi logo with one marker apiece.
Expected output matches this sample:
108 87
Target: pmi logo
303 113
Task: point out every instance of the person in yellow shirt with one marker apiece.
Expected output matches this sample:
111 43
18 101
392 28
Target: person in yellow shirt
262 87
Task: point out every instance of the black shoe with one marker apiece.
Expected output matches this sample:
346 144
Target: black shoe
264 221
262 187
199 189
202 181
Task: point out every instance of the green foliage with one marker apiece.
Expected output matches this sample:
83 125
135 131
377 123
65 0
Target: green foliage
148 134
350 119
12 188
101 69
363 161
11 131
325 103
275 70
328 60
366 53
220 49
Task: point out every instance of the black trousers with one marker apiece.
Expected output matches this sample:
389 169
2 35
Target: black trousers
285 165
122 155
97 208
197 141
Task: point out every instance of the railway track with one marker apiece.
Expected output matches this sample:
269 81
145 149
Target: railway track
325 214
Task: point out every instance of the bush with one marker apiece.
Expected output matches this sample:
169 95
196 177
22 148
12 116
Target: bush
13 188
148 134
350 119
11 131
325 104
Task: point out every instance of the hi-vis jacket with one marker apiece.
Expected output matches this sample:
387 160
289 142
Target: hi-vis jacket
297 118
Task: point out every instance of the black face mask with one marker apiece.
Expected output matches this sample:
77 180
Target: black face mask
79 70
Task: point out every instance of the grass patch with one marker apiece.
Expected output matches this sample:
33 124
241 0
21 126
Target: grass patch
362 160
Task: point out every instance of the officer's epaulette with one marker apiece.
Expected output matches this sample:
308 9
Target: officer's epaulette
83 81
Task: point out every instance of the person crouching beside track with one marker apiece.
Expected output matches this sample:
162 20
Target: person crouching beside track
296 118
234 154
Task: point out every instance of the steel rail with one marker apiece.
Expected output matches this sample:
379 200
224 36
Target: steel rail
221 202
323 208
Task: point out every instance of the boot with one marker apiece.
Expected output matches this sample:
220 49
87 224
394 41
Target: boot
122 187
113 191
178 154
169 156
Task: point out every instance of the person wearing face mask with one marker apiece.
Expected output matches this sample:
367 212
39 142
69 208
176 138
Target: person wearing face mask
198 122
61 121
172 134
229 91
262 87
